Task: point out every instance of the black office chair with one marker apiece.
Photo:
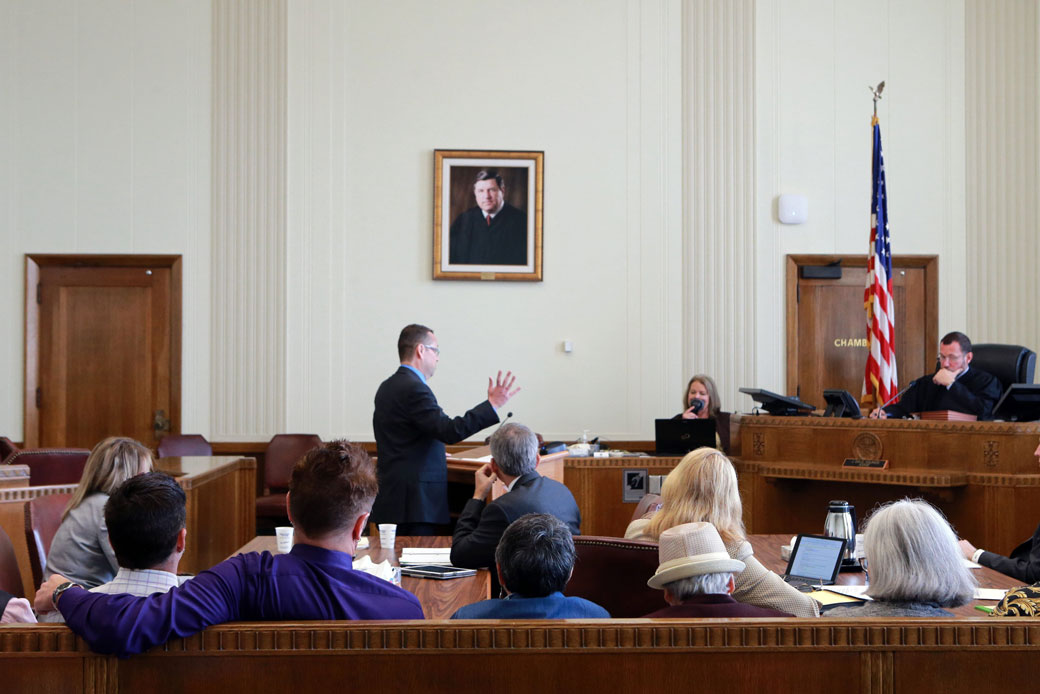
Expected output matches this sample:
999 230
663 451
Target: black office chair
1008 363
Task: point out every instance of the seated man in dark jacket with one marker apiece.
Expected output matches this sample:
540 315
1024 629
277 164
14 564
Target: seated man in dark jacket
514 455
535 560
1024 562
696 574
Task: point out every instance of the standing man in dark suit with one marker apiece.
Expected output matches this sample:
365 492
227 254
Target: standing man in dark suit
411 430
514 455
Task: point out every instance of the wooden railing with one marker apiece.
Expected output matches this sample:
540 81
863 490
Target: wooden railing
734 656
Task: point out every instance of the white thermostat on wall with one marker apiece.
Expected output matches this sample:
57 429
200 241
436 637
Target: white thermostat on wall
793 209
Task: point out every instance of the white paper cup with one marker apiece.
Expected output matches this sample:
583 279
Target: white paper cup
387 535
284 534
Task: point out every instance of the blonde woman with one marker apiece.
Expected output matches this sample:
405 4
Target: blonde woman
703 488
80 550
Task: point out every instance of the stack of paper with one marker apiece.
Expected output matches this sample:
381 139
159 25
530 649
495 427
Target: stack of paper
416 556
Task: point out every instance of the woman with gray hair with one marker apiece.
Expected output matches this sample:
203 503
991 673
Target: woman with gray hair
915 565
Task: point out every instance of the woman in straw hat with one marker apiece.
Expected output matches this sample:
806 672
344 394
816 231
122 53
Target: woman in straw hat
696 575
703 488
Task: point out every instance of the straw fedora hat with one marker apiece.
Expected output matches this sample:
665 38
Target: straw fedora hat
691 549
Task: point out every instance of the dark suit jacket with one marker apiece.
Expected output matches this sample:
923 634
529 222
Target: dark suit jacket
976 392
411 430
503 243
1023 564
715 605
554 606
481 526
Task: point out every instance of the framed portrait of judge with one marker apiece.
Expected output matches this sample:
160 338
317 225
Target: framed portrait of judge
487 215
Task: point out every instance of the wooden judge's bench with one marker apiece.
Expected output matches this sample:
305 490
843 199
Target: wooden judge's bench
983 475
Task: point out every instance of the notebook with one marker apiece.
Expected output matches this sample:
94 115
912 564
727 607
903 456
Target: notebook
680 436
815 560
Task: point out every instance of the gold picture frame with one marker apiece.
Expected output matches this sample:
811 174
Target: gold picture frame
467 245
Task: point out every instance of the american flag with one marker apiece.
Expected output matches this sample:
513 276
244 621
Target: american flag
880 379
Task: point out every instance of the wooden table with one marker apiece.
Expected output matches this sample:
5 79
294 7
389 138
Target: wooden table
221 505
767 549
440 598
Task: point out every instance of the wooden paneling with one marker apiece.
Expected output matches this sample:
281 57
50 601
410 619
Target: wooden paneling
981 474
825 319
598 486
221 507
866 656
103 347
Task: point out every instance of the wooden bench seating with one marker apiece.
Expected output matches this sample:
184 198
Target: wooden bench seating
633 655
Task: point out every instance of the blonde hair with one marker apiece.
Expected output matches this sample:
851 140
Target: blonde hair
112 462
701 488
714 406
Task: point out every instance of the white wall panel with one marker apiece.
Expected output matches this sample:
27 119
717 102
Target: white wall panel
1003 116
104 148
249 219
815 61
372 97
719 151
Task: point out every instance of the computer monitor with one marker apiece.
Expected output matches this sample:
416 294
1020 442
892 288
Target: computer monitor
779 405
680 436
840 403
1021 403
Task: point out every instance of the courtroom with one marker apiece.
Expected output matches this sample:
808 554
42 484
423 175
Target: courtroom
346 343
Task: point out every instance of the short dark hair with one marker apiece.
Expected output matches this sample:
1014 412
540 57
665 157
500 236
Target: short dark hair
535 555
330 487
485 174
411 336
958 337
144 515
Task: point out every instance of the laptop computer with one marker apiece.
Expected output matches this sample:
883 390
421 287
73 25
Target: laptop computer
815 560
680 436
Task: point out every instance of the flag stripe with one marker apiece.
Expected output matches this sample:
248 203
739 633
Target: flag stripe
879 379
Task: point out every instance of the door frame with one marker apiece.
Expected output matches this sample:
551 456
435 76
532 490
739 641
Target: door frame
33 263
930 265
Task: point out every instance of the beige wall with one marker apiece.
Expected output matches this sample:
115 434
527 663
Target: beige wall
669 129
105 148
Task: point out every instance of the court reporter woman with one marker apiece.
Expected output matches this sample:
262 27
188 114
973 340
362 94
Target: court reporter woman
703 488
701 401
80 549
915 566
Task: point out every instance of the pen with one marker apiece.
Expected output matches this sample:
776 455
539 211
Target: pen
984 608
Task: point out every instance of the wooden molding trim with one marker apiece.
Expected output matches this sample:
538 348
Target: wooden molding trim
913 478
630 635
1025 428
26 493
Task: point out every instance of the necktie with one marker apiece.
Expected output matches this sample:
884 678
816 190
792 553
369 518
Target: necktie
488 220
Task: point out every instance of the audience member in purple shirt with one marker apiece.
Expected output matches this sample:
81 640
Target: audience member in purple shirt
330 495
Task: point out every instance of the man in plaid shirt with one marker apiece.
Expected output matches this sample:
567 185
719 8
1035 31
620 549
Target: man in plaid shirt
145 518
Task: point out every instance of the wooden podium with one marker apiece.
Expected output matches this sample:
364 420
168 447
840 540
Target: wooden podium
982 475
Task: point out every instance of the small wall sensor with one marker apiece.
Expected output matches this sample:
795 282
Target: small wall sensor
793 209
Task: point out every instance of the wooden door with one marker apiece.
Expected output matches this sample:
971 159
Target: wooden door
102 349
826 324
